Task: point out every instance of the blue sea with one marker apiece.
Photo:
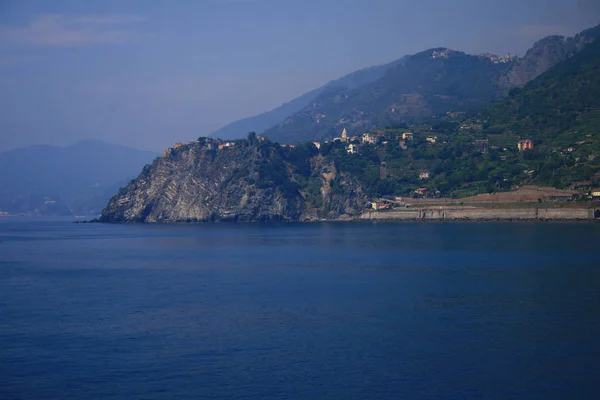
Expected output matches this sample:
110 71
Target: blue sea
299 311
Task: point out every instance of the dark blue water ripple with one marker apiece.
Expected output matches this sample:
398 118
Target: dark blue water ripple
331 311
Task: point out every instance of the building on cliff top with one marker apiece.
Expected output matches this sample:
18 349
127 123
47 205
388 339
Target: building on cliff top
226 145
352 149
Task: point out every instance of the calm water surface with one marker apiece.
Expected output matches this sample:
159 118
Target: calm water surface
293 311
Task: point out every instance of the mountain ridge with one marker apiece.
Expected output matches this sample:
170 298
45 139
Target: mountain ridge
48 179
427 83
328 114
558 113
261 122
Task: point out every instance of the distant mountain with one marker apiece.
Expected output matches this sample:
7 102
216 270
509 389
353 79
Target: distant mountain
262 122
546 53
63 180
426 84
258 180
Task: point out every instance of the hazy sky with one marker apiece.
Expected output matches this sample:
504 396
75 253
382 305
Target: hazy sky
149 73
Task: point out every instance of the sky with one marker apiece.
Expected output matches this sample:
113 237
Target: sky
149 73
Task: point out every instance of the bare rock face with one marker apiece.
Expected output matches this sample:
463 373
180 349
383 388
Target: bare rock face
246 181
545 54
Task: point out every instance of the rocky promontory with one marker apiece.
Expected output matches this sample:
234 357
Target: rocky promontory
242 180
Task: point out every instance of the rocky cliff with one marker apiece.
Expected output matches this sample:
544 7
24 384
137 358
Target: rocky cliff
245 180
546 53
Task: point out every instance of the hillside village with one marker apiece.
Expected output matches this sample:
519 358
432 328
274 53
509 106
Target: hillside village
541 134
533 154
406 156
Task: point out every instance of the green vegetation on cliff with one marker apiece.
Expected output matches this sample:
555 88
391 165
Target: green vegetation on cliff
456 156
560 112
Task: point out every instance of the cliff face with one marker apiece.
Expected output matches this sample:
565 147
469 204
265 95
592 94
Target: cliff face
545 54
248 181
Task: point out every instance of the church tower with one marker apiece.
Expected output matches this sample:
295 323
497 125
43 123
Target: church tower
344 135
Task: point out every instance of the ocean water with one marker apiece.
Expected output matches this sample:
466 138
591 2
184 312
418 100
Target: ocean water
299 311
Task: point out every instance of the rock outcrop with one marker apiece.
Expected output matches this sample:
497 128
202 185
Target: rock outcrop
545 54
245 180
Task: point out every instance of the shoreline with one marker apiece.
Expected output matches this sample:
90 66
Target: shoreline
486 214
451 215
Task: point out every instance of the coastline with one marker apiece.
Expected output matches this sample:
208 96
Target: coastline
458 214
446 214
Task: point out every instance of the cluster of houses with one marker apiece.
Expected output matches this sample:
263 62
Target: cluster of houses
352 147
441 54
375 137
497 59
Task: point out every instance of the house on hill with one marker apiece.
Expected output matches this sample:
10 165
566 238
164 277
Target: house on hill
523 145
369 138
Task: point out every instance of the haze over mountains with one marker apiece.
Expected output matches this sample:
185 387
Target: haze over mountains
262 122
77 179
411 89
421 88
257 180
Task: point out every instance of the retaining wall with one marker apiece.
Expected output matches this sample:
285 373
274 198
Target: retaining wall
484 214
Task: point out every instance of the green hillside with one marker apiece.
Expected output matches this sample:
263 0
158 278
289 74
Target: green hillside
424 87
559 111
429 83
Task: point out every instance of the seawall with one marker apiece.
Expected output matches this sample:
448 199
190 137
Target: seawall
484 214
